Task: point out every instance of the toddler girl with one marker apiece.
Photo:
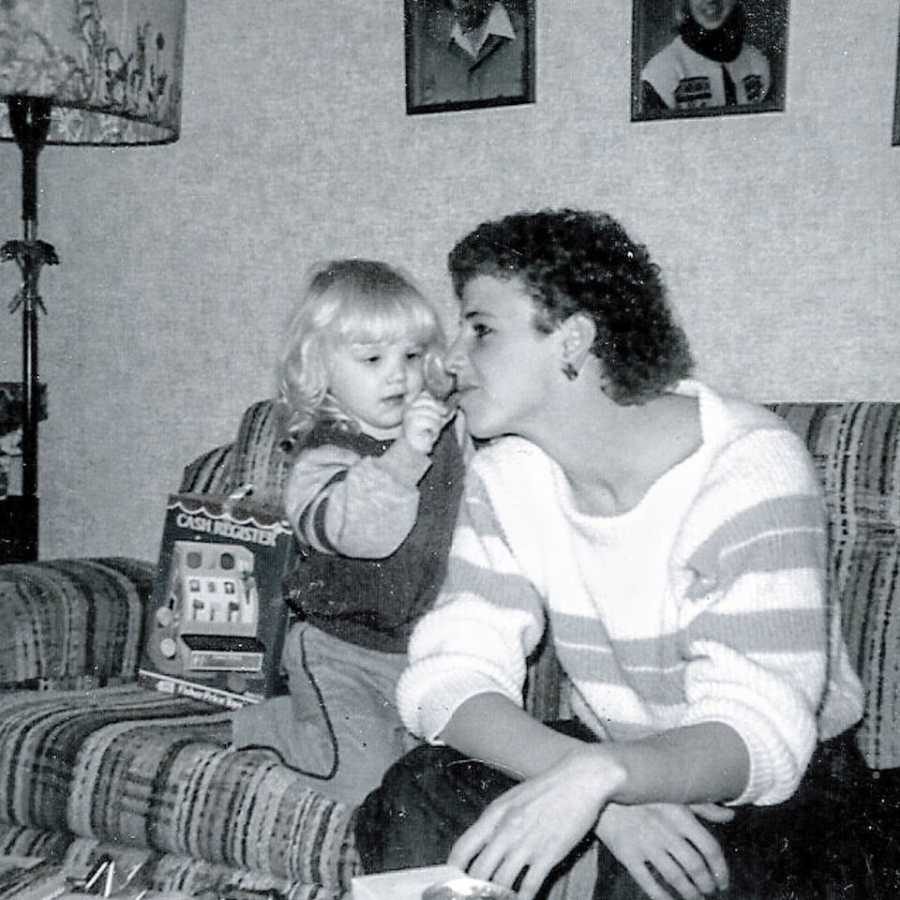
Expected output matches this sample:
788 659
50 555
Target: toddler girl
372 497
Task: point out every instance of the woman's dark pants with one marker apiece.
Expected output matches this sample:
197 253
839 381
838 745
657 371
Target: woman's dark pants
808 847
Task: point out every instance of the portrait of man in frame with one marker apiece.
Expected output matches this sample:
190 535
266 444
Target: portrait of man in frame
708 57
466 54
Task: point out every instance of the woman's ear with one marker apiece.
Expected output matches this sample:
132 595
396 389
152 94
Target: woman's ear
578 336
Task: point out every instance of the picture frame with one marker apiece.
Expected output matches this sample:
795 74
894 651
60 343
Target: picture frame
451 66
691 60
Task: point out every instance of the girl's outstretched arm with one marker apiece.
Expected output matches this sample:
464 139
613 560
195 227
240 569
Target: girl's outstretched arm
339 502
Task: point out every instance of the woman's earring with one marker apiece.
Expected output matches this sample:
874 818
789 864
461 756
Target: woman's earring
570 371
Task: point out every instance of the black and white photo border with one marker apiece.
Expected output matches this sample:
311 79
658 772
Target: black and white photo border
654 27
416 101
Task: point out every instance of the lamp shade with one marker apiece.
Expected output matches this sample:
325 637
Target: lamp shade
111 69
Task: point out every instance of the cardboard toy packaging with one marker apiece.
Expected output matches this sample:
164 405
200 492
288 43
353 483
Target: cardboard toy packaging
216 621
427 883
404 884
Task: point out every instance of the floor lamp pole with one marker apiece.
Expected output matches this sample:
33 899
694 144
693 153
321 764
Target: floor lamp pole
30 121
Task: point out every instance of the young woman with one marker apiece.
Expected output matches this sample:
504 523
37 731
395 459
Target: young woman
673 539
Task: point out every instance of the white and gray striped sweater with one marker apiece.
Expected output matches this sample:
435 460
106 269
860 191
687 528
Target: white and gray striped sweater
705 602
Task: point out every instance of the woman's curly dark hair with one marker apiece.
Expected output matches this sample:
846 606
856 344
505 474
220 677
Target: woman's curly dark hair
577 261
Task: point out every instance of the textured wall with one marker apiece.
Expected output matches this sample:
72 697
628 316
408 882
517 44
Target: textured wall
778 233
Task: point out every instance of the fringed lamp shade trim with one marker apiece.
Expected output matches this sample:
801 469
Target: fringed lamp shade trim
111 68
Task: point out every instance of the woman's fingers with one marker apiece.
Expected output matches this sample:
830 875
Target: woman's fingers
691 874
641 873
534 825
713 812
677 878
507 870
713 858
534 877
507 860
670 840
681 869
474 839
699 852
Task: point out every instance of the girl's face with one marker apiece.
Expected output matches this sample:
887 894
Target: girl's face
711 14
374 382
504 367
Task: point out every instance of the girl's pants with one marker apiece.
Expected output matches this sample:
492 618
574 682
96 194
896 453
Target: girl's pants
338 726
807 847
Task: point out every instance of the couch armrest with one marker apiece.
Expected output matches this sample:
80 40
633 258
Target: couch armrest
72 623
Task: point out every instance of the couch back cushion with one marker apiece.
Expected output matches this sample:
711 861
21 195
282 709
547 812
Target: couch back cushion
856 448
209 473
257 459
253 458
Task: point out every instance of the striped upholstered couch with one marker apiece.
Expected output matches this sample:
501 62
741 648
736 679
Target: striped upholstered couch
90 763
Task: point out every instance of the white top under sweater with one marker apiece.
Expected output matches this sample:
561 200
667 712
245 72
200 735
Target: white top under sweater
703 603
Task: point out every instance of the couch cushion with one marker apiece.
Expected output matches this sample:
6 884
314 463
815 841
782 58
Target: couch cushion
144 769
857 454
209 473
167 873
72 623
258 459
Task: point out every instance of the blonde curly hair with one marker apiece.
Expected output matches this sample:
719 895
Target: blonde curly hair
344 301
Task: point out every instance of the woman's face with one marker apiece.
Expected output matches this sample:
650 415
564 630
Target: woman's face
502 364
711 14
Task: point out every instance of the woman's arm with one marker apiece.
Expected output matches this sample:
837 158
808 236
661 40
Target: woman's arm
568 786
487 620
755 620
491 728
697 764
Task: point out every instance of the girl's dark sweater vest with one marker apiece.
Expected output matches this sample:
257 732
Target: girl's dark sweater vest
376 602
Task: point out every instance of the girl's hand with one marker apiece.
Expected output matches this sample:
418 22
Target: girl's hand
670 838
535 824
423 421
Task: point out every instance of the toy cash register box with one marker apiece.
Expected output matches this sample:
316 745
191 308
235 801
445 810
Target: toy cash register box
216 621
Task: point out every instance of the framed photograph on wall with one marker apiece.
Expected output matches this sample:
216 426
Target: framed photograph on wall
707 57
467 54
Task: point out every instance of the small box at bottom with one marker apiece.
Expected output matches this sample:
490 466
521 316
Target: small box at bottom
428 883
404 884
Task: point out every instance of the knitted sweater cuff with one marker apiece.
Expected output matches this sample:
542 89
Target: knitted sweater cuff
776 764
428 695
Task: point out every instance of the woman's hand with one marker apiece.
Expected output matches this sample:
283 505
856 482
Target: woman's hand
670 838
534 825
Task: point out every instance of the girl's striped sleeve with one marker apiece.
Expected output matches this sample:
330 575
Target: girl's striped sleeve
364 507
